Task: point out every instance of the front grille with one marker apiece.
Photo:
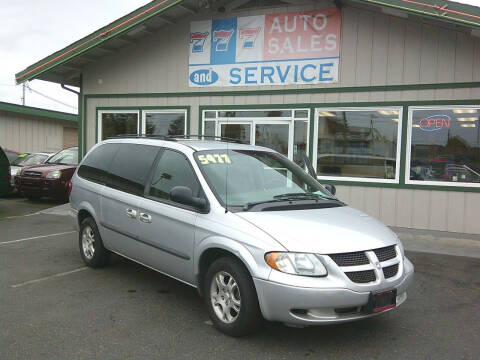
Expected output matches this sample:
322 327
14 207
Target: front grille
32 174
386 253
361 277
390 271
350 259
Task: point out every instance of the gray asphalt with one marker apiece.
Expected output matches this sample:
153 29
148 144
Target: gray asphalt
127 311
14 205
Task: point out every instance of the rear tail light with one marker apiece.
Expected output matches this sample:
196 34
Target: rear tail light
70 187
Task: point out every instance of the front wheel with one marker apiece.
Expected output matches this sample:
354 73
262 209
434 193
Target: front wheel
93 253
231 299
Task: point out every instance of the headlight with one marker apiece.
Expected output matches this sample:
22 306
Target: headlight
15 172
54 174
296 263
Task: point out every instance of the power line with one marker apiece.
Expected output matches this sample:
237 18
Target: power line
50 98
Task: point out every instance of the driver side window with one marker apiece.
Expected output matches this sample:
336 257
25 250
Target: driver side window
173 169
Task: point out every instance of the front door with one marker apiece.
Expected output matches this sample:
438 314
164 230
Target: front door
237 130
276 135
169 227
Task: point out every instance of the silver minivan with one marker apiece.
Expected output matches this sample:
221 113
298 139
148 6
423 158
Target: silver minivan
251 230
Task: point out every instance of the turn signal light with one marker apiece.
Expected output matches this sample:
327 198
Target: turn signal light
70 187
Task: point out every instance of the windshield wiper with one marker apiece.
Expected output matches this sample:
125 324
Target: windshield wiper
303 196
251 204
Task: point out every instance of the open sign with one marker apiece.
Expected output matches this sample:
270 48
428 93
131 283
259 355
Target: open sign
434 122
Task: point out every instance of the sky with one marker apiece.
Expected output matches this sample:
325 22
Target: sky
34 29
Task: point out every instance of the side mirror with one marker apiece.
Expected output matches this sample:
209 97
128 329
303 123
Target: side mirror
331 188
183 195
308 165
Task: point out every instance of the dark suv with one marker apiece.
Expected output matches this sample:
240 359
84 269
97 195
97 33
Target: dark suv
49 179
4 174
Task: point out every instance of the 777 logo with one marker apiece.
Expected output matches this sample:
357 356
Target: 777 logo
248 37
198 41
221 38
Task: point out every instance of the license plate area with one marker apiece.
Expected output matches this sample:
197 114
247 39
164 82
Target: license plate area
381 301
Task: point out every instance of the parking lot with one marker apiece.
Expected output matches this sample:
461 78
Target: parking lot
53 307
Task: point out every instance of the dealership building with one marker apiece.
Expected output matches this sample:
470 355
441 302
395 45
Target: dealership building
382 95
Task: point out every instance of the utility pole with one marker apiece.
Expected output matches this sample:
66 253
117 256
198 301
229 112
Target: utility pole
23 94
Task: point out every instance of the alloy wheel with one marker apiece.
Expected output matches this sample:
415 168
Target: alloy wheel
88 242
225 297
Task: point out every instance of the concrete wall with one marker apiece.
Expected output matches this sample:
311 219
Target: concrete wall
376 49
26 133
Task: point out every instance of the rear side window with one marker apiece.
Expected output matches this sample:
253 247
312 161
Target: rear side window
172 170
131 167
97 163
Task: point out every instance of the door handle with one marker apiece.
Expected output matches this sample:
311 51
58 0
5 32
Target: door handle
146 218
131 213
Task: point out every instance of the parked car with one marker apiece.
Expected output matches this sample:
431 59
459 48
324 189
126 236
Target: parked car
49 179
4 174
250 229
12 155
24 161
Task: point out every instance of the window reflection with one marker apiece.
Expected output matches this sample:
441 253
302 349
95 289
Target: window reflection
445 145
357 143
114 124
273 136
165 123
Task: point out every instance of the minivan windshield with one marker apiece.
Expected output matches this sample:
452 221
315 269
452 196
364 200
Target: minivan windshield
246 177
65 157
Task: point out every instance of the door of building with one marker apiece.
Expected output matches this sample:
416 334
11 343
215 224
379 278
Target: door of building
277 135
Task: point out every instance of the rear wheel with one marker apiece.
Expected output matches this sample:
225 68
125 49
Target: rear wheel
93 253
231 299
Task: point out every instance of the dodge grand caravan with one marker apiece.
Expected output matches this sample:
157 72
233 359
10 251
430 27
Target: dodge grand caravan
256 235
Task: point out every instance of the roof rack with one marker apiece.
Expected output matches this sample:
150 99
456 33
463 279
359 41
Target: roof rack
176 137
140 136
208 137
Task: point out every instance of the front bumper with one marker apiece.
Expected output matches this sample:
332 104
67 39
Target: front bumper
298 305
41 186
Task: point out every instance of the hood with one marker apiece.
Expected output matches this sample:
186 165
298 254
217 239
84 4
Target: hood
323 231
46 168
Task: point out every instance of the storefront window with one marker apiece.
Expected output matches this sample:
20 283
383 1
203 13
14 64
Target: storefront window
444 145
300 141
358 143
209 128
255 113
114 124
273 136
240 132
301 114
210 114
165 123
283 130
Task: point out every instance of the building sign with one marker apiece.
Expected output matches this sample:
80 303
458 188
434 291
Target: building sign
434 122
273 49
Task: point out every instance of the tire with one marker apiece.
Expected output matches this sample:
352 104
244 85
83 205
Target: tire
92 251
233 322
